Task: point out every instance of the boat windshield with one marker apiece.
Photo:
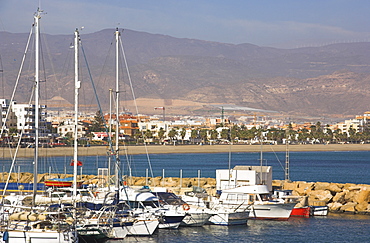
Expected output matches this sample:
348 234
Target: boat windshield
266 197
169 198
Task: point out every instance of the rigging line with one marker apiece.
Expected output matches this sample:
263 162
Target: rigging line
2 77
45 40
97 100
136 107
3 97
16 82
277 158
17 148
66 66
125 148
100 79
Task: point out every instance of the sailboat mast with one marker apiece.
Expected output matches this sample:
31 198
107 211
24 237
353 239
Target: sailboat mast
117 108
37 17
287 161
261 159
110 133
77 87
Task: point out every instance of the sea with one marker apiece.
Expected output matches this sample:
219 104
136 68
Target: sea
339 167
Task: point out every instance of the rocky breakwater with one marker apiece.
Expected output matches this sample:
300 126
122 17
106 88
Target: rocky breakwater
339 197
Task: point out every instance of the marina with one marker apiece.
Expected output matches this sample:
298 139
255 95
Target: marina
73 198
348 166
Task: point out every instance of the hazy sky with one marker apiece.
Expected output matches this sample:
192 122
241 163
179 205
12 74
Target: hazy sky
280 23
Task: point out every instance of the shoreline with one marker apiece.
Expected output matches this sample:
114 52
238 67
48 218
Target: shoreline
162 149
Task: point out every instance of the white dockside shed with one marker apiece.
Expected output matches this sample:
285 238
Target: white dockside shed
244 176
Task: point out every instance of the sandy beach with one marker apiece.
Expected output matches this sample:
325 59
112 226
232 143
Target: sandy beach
156 149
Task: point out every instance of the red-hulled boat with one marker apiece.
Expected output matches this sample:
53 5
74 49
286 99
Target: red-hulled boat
59 182
301 212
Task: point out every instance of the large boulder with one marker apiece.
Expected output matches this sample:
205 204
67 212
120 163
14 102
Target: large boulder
303 188
340 197
350 195
320 195
335 187
349 207
334 206
321 186
26 177
362 207
362 196
349 185
277 183
290 185
140 182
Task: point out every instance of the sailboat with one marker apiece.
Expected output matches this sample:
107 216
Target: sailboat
37 223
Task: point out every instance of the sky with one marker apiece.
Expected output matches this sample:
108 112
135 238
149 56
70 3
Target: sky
275 23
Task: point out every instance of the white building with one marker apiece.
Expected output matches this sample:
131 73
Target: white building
244 176
64 129
9 121
25 114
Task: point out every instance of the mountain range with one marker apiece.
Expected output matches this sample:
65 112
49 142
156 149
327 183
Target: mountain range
187 75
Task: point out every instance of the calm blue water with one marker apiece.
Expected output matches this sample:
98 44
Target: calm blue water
341 167
332 228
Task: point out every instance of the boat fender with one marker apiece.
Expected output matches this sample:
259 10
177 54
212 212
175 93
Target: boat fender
185 206
6 236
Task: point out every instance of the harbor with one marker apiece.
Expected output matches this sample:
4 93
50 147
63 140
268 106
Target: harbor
351 223
251 175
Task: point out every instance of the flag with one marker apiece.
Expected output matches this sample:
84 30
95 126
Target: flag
79 163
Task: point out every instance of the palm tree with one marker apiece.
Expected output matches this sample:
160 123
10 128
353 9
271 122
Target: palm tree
234 133
138 137
160 134
303 135
183 134
203 135
194 134
213 134
172 134
148 134
225 133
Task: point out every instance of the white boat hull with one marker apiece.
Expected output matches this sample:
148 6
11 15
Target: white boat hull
196 219
119 232
319 210
271 211
38 236
143 227
230 218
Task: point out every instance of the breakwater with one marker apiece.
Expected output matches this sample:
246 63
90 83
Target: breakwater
339 197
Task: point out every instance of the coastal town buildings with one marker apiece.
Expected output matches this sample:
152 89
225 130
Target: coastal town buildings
173 129
8 118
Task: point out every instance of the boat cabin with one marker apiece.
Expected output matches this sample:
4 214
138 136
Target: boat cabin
244 176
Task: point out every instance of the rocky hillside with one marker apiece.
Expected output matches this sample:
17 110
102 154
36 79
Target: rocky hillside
326 81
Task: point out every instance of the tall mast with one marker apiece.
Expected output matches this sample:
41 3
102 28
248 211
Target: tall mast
261 160
110 133
37 18
117 108
287 159
77 87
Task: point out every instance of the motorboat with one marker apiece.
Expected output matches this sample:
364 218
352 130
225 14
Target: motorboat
195 215
258 200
